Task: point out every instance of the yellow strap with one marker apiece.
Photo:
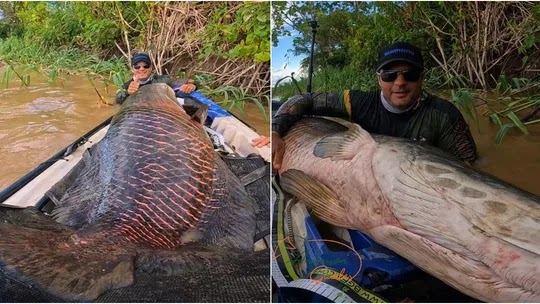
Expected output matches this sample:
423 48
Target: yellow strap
347 102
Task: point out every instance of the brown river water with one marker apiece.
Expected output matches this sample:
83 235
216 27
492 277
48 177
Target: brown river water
39 120
515 160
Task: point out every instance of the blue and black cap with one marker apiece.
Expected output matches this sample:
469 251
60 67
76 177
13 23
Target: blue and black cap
140 57
401 51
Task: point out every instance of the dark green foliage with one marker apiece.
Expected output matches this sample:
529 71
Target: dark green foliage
96 38
244 34
471 43
466 45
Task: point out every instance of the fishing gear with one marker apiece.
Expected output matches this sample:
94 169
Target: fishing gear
314 27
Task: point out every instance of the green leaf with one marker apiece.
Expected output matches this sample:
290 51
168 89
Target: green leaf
262 57
502 132
25 80
495 118
517 122
513 103
261 18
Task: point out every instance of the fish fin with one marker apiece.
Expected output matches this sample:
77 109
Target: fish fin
70 266
324 202
230 221
201 114
30 218
199 259
343 146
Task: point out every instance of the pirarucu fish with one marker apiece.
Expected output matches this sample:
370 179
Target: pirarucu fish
153 194
472 231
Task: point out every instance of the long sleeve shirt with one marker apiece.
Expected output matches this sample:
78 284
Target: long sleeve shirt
123 95
432 120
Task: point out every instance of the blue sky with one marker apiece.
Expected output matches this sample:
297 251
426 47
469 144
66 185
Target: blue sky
283 62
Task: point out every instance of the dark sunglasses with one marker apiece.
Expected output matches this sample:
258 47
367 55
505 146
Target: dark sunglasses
136 67
409 75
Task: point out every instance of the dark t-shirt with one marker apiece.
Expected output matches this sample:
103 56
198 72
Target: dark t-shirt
433 120
122 95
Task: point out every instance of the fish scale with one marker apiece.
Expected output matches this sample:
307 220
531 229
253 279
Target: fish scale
152 190
171 166
158 214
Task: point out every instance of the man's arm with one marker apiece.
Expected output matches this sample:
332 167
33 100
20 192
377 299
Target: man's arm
327 104
457 139
180 85
122 95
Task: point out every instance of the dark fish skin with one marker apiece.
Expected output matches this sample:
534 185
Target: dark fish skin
152 189
151 179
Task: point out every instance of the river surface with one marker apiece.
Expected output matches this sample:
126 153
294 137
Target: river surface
39 120
515 160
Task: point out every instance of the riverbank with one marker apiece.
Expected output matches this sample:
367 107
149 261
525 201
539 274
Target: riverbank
55 62
22 58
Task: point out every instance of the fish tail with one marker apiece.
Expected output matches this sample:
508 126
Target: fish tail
196 258
65 264
30 218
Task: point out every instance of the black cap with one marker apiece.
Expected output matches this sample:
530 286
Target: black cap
401 51
141 57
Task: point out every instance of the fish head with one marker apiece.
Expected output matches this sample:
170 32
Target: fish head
339 157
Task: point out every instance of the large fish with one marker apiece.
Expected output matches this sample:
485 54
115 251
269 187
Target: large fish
153 195
473 231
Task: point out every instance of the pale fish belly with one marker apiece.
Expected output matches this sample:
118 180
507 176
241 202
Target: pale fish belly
470 230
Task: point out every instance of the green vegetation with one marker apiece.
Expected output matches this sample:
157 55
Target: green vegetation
227 42
469 48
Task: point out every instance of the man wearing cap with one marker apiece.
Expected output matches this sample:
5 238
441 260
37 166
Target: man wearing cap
400 108
142 69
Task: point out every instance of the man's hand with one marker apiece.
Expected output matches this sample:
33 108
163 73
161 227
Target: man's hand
278 149
261 142
133 86
188 87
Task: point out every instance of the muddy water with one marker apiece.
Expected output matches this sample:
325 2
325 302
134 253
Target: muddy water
255 118
515 160
38 121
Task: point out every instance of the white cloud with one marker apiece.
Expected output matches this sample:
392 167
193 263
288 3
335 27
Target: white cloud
277 74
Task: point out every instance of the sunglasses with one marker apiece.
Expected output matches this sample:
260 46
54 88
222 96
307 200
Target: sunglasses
409 75
136 67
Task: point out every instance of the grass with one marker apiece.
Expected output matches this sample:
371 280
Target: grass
230 97
114 71
52 63
514 96
8 73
